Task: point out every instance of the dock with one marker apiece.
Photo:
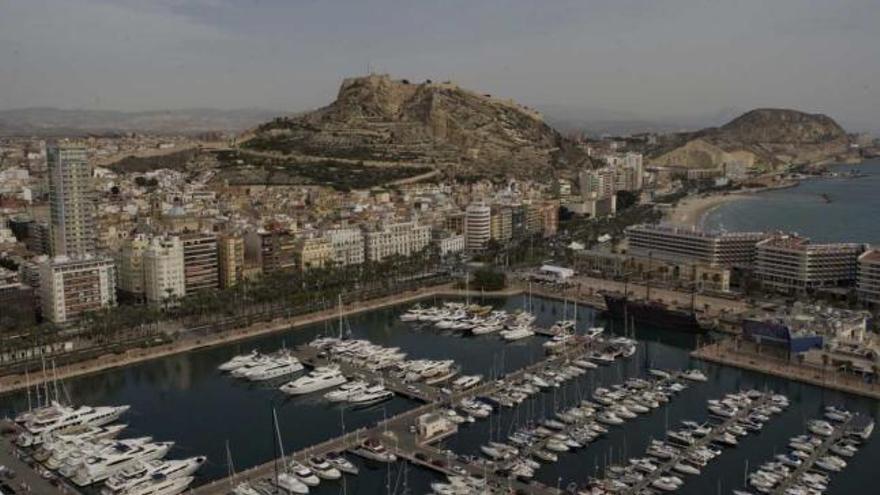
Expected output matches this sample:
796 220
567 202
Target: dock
394 433
666 467
839 431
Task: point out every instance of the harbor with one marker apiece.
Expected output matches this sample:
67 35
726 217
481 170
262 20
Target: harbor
241 411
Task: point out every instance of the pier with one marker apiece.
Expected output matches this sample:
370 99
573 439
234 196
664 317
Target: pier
394 433
839 431
667 467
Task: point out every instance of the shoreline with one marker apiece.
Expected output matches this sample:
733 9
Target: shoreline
14 382
692 211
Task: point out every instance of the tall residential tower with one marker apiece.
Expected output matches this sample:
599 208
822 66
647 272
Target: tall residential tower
71 201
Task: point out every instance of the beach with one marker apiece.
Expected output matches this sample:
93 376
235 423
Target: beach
691 211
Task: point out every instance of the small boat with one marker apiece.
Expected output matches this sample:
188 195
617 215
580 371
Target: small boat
324 469
694 375
374 451
341 463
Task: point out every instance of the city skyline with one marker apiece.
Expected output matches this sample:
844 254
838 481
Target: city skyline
601 60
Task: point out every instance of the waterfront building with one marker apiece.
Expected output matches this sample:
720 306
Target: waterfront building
71 287
449 242
348 246
675 243
478 226
792 263
272 250
18 302
402 238
71 201
550 218
129 266
868 284
501 223
200 264
230 253
163 270
312 252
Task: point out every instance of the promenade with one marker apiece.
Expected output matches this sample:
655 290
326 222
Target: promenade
186 343
728 353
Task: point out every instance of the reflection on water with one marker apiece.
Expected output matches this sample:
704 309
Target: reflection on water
183 398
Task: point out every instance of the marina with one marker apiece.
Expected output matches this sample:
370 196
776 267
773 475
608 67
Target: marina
240 411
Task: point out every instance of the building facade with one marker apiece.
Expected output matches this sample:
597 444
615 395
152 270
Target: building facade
71 287
200 262
230 263
868 284
71 201
348 246
792 263
130 267
673 243
478 226
403 239
163 265
313 252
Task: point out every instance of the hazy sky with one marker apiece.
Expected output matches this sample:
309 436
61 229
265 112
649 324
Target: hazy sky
648 59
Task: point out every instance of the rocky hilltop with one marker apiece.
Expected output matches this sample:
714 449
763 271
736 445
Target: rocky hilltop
766 137
378 120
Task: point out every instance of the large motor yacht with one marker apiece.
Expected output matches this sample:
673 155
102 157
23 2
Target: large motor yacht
319 379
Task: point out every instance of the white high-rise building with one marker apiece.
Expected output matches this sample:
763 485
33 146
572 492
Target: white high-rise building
163 270
70 287
71 201
477 226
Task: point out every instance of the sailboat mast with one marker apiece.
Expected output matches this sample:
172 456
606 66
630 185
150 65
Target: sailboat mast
27 386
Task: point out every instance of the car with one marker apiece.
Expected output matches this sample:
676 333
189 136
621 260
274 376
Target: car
460 470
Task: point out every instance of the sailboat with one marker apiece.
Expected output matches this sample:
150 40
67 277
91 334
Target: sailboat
285 479
243 487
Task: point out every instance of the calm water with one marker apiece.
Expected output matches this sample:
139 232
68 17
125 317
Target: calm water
851 216
183 398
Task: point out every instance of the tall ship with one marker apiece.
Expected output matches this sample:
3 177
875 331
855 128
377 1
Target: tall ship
651 312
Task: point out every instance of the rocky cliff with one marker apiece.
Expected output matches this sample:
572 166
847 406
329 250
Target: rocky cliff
463 133
766 136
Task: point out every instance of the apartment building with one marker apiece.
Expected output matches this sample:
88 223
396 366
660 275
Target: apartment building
868 283
200 262
130 267
674 243
71 287
273 250
792 263
501 223
348 246
313 252
71 201
403 238
163 270
230 263
477 226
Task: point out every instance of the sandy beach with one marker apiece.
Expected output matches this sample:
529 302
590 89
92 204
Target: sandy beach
692 210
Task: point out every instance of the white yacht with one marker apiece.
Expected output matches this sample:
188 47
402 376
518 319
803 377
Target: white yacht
288 483
319 379
162 486
517 333
341 463
371 395
96 469
324 469
346 391
57 419
282 367
239 361
374 451
465 382
78 436
304 474
252 366
694 375
70 457
142 473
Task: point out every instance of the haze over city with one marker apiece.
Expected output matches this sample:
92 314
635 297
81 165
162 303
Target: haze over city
681 61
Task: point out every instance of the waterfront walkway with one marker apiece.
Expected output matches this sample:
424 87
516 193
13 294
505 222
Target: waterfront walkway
728 353
27 479
186 343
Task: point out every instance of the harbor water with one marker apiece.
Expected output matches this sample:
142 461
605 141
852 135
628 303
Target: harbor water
185 399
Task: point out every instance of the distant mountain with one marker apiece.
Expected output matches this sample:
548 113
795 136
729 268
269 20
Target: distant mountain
54 121
764 136
380 120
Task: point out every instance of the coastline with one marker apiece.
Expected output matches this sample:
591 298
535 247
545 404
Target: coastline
692 211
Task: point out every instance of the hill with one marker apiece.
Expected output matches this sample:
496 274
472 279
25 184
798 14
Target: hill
380 121
765 136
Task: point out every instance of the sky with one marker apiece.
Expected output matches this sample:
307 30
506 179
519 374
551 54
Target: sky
639 59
